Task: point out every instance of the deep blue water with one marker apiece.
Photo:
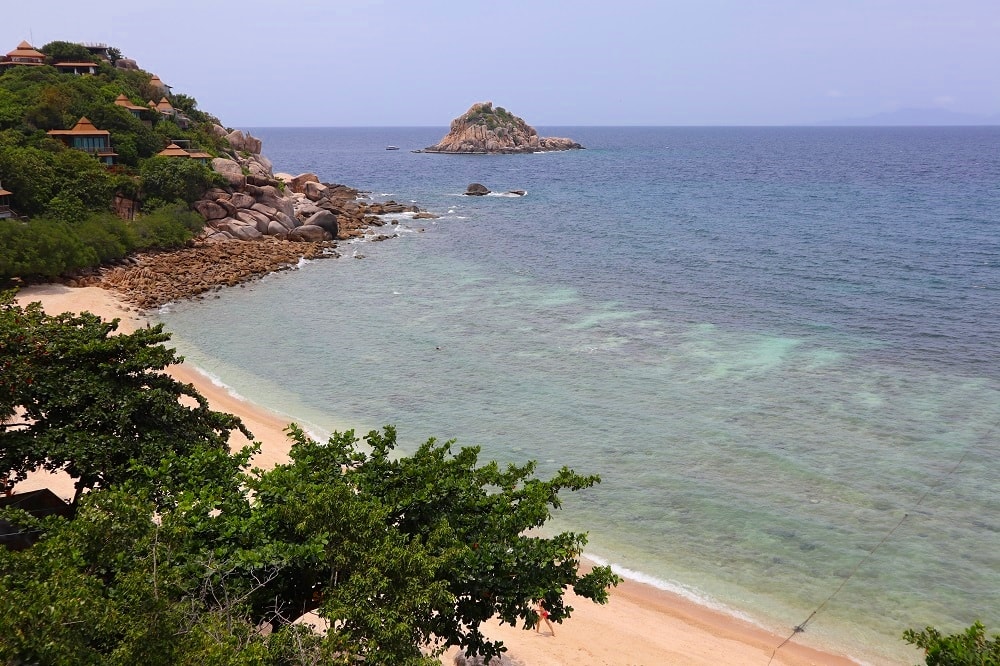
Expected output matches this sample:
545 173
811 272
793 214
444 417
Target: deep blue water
772 343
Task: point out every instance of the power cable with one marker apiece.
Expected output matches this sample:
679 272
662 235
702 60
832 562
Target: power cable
799 628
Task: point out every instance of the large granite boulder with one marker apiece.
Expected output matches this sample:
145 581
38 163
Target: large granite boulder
239 141
230 170
324 219
476 190
242 200
485 129
298 182
309 233
314 191
210 210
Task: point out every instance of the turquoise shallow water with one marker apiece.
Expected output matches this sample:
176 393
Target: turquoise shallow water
771 344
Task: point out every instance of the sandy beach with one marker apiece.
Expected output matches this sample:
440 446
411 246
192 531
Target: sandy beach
641 625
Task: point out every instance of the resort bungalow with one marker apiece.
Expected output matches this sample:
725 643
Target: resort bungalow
84 136
159 85
134 109
24 54
173 150
167 110
78 68
5 210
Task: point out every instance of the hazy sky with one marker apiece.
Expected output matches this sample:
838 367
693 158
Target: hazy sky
575 62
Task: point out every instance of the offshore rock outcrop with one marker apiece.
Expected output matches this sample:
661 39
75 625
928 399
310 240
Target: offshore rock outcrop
484 129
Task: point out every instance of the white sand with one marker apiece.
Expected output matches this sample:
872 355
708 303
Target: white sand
640 626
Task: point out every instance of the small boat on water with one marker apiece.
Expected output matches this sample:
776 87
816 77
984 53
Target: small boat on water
392 147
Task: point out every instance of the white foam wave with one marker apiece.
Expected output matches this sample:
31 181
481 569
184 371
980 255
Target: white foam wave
221 384
509 195
672 587
302 262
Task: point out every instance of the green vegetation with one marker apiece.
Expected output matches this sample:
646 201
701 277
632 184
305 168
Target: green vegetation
46 248
970 648
66 194
179 553
494 117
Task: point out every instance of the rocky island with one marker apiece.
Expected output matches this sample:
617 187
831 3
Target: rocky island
485 129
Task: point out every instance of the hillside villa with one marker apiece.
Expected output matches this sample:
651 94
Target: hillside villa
84 136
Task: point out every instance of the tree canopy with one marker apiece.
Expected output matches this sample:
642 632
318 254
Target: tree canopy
183 554
90 402
971 647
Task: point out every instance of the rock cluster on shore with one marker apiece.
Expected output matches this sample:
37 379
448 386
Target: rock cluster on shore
263 222
298 208
153 279
484 129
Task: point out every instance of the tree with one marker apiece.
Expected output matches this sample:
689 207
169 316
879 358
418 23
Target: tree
66 52
970 648
90 402
396 552
176 179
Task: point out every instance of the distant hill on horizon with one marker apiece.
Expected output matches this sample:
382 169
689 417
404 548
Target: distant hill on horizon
916 117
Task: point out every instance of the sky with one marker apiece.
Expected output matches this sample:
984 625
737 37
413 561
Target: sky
341 63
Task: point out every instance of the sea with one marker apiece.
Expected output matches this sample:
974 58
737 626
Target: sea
779 347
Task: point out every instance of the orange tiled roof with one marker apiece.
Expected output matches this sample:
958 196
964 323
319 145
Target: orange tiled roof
25 50
122 100
200 154
83 127
4 193
173 150
164 105
85 63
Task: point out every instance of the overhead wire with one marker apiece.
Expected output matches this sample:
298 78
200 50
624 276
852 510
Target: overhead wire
799 628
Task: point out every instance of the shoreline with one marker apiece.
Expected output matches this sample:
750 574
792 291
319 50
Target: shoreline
641 624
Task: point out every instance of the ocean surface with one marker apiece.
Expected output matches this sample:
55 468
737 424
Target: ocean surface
779 347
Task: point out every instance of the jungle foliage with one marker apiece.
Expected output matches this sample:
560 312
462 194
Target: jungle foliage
65 195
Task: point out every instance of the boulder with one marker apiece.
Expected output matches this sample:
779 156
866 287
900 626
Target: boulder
283 204
210 210
314 191
288 222
265 209
309 233
247 233
307 209
228 206
325 220
230 170
215 194
277 229
299 181
476 190
243 142
242 200
252 217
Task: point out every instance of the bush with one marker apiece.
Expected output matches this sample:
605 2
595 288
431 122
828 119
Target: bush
41 249
970 648
176 179
168 226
